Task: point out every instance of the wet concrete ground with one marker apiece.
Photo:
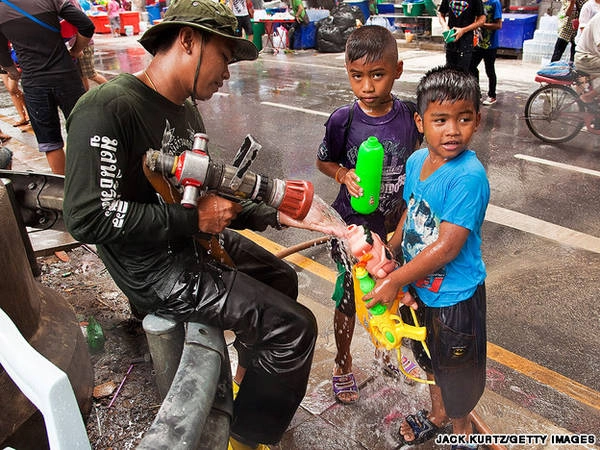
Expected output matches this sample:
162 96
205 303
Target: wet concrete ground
541 244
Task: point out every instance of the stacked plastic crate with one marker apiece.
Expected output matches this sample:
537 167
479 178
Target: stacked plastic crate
539 49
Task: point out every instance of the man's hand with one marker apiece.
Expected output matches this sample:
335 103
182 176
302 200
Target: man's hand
216 213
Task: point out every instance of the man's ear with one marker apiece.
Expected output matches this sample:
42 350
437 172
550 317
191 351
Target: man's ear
186 39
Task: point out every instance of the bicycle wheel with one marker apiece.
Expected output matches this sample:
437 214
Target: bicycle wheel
553 113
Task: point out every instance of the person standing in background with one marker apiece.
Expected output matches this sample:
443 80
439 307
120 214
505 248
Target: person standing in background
113 8
49 76
464 18
589 9
487 46
240 10
86 61
569 11
16 95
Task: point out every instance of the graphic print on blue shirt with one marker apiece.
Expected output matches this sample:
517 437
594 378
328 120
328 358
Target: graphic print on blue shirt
421 229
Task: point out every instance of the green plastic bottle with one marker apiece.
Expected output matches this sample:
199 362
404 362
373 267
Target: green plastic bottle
95 335
369 166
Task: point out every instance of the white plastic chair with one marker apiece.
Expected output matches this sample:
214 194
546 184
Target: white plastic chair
45 385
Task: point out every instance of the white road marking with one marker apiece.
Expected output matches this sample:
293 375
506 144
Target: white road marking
542 228
560 165
294 108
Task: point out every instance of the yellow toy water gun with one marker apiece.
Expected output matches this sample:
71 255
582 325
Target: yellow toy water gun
386 329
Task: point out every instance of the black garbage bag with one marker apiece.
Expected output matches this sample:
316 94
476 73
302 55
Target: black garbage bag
333 31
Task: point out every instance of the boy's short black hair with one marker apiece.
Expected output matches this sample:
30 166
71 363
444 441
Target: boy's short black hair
370 41
444 84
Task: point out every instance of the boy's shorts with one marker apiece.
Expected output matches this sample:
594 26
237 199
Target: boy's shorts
457 340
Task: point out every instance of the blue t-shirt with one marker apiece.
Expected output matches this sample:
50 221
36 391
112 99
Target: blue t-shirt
397 133
493 12
458 192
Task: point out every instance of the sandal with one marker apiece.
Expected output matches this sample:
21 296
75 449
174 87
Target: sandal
21 123
423 428
4 138
344 384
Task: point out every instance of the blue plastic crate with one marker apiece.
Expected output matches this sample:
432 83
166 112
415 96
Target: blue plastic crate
305 37
516 28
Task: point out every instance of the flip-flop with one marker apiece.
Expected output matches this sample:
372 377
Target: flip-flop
343 384
21 123
422 428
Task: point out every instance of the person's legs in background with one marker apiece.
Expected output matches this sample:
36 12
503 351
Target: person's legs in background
43 104
489 61
12 86
559 49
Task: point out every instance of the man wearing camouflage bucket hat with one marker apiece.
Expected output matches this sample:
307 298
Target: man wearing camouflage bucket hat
148 245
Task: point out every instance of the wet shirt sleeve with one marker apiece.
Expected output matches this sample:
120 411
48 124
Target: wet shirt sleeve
107 196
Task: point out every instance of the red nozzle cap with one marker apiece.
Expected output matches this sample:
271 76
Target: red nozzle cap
297 199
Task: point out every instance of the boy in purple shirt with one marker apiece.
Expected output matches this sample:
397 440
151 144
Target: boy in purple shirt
373 66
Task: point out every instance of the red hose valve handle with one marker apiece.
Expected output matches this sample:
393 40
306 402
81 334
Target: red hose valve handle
297 199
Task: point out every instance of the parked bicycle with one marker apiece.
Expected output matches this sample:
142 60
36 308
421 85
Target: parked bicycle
554 113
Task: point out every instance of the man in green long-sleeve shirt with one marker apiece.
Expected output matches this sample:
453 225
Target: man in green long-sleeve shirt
149 246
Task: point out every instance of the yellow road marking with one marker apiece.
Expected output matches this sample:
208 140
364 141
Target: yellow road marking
556 381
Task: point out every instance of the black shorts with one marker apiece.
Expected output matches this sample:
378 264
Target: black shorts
245 24
456 337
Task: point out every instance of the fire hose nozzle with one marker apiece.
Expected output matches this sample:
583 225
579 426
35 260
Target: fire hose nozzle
297 199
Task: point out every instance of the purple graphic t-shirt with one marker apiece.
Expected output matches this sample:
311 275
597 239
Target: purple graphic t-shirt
397 133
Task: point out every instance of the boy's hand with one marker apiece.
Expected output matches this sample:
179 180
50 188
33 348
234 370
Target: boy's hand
350 179
313 224
385 292
408 300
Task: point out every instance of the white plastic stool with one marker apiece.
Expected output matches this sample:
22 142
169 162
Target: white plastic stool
45 385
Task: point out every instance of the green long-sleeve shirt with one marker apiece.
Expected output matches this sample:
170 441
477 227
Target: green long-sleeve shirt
108 200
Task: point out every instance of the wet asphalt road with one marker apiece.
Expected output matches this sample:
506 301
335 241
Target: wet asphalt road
542 236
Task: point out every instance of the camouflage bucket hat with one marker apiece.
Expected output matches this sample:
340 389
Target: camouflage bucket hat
207 15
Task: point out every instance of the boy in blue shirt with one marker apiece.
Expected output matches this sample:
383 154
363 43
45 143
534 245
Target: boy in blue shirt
487 46
372 64
447 193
